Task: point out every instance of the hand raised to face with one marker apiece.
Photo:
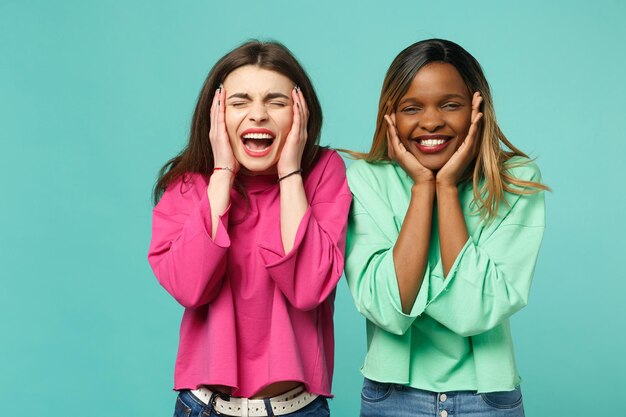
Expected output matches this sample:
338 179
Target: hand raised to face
223 156
451 172
293 149
397 152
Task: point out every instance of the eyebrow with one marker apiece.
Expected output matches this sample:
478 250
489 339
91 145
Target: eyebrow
269 96
445 97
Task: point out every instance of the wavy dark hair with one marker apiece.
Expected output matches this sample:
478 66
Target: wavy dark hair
197 156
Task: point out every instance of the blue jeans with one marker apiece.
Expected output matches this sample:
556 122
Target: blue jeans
187 405
393 400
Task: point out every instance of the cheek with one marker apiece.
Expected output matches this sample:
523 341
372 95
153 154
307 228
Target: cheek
404 127
232 120
462 125
283 119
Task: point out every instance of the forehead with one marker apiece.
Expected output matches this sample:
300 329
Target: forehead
254 79
437 79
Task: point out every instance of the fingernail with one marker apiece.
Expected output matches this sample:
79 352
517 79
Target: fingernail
220 87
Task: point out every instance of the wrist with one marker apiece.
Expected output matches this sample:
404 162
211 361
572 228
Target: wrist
442 182
223 176
422 188
285 175
287 169
446 188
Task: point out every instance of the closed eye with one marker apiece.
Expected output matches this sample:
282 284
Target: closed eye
410 109
451 106
278 103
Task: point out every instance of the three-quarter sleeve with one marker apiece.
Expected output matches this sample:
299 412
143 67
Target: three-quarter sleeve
370 269
188 263
309 272
491 277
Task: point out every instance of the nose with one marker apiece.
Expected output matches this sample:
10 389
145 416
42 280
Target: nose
431 120
258 113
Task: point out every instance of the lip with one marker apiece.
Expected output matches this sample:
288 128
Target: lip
262 153
257 130
432 149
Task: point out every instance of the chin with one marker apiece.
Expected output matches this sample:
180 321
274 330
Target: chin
258 167
433 164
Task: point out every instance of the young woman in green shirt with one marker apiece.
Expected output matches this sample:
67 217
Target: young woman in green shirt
443 237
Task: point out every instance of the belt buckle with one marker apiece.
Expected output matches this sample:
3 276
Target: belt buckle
214 401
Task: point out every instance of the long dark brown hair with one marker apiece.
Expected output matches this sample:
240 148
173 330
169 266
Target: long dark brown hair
493 162
197 156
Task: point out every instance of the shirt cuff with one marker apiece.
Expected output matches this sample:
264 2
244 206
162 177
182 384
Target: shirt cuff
221 235
274 254
420 301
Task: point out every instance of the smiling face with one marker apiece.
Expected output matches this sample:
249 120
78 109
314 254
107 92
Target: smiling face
258 116
434 115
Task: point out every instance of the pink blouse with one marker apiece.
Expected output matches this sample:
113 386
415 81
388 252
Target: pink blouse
253 314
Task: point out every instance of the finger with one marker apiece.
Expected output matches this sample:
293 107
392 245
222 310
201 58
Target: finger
305 115
215 98
305 108
390 147
475 131
471 134
396 145
301 107
477 118
221 107
391 127
477 99
297 113
399 146
213 114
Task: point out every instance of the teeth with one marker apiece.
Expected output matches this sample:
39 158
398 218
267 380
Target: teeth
255 150
432 142
258 136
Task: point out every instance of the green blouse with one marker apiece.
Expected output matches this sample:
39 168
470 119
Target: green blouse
457 335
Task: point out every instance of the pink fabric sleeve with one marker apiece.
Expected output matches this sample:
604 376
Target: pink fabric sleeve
186 261
309 273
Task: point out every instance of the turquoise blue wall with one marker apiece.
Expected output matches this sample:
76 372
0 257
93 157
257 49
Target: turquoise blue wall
96 95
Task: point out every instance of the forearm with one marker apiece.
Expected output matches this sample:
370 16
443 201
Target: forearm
219 196
410 253
453 232
293 205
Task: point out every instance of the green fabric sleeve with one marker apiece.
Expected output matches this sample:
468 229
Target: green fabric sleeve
489 281
369 267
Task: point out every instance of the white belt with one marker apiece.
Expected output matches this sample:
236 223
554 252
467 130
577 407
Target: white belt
286 403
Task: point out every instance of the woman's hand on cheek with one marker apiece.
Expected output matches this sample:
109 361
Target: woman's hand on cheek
451 172
293 149
223 156
397 152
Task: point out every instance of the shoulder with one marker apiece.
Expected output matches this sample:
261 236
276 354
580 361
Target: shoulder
328 165
377 176
328 159
522 168
327 177
361 170
186 189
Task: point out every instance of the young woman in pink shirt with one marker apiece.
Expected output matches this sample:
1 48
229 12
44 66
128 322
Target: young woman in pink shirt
249 235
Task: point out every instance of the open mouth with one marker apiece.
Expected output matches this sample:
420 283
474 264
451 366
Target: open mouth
432 143
257 142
